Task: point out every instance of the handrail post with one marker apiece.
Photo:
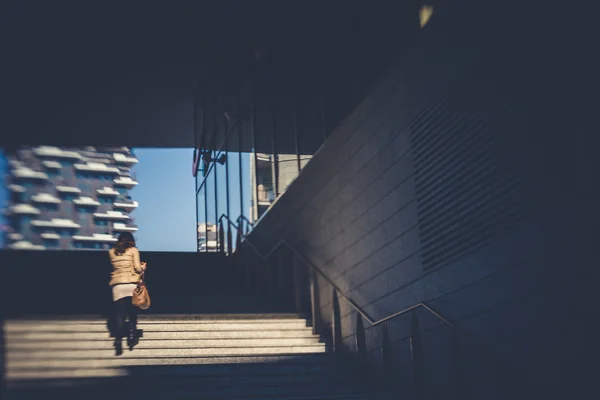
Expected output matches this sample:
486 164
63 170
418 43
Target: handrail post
297 284
361 350
336 323
314 302
281 271
387 356
457 372
229 240
221 238
416 349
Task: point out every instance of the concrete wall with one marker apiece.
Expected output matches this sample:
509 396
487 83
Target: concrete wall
356 210
76 282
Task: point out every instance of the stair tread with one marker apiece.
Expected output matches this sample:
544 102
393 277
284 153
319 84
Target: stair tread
226 356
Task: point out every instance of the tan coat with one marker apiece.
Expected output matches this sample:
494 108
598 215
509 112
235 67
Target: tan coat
126 267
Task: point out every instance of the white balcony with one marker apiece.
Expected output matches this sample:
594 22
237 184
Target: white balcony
95 157
122 158
127 204
51 164
15 236
51 151
86 201
15 163
28 173
96 237
125 181
121 227
16 188
25 245
45 198
68 189
107 191
56 223
117 215
96 167
24 209
50 236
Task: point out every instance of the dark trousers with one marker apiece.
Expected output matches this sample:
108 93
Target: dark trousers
126 317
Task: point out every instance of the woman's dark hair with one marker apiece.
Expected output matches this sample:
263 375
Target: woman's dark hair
124 242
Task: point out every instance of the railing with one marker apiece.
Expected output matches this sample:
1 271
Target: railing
504 372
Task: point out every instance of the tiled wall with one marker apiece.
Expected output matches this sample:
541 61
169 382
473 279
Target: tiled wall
354 211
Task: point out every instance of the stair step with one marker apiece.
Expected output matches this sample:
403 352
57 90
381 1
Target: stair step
166 320
170 317
309 360
189 391
128 395
208 370
179 334
42 355
134 379
221 356
59 326
160 344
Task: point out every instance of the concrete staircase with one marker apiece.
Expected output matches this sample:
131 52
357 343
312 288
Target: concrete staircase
234 356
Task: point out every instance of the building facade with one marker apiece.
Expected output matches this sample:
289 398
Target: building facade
273 176
69 198
207 237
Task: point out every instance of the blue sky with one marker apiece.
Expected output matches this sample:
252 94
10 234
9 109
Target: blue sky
166 216
166 213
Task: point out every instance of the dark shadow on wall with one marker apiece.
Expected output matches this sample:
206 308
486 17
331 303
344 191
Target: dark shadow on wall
76 283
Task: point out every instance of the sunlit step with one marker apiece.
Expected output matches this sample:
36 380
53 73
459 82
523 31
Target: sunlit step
180 334
42 355
12 326
155 320
37 345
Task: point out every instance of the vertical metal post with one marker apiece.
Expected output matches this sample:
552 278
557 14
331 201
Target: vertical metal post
221 237
255 172
204 123
298 285
295 122
197 214
239 129
336 320
275 158
314 296
387 356
227 187
361 350
216 199
214 161
195 115
416 349
281 271
205 219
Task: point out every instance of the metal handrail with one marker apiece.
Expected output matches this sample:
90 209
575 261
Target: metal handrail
355 306
244 218
366 316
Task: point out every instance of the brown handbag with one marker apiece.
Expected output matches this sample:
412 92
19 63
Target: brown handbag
141 297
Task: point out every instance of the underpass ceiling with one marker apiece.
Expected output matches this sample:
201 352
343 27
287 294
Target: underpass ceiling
127 73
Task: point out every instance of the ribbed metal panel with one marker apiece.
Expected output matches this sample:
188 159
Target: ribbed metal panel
479 172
